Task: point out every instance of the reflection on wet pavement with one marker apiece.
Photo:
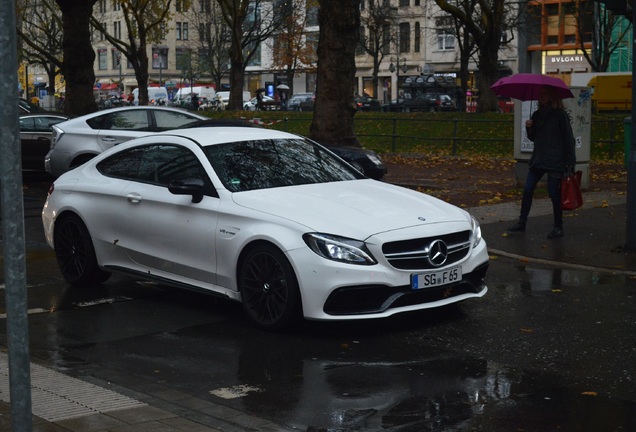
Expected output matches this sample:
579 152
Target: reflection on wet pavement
547 349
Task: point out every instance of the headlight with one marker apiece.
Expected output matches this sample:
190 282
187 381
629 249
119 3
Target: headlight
476 232
373 158
340 249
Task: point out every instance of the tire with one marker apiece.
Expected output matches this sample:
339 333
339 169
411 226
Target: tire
75 253
269 288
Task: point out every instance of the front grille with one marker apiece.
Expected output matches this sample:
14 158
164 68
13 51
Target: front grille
413 254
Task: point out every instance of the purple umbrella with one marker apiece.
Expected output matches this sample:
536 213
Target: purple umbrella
526 87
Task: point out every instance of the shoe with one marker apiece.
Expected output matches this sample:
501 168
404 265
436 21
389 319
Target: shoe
555 233
518 227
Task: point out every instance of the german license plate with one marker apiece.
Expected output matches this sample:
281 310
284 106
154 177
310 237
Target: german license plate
434 279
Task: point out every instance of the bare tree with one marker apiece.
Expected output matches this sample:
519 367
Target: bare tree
213 43
378 19
292 47
40 30
466 45
145 23
332 123
251 22
606 30
484 21
79 56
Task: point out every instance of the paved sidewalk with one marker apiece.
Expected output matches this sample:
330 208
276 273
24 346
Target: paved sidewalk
594 239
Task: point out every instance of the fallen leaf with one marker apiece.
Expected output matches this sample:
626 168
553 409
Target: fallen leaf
590 393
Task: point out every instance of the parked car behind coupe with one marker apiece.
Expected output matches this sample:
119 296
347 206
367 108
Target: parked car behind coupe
80 139
35 138
264 217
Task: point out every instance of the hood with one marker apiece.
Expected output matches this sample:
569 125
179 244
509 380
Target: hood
359 207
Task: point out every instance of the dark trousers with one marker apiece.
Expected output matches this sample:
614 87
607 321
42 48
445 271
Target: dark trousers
554 190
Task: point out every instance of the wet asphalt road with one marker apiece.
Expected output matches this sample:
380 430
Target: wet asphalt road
547 349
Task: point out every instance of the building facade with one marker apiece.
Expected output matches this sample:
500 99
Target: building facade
415 39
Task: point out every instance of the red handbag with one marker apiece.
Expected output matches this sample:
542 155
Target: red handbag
571 197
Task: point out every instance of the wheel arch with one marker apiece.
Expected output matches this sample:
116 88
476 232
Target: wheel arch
294 309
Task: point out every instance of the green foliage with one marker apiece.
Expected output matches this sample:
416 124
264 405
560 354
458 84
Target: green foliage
442 134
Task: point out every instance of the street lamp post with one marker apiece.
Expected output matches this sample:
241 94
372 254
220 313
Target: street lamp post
395 66
121 87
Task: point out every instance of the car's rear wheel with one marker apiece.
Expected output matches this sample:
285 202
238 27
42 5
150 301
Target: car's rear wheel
269 288
75 253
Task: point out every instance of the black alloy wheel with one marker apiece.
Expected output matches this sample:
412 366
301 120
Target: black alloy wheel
269 289
75 253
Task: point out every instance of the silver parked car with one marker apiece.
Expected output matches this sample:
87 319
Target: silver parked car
80 139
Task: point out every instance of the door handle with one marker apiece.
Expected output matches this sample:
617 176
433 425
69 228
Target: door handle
133 198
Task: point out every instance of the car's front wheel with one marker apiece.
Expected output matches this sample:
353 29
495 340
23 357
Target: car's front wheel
269 288
75 253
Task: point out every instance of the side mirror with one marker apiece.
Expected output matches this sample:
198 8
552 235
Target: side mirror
188 186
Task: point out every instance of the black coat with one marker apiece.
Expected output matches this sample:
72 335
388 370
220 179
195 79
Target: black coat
553 140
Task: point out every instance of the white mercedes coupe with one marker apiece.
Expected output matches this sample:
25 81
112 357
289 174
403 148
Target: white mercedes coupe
263 217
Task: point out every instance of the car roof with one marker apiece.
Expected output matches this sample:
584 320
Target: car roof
86 117
223 134
140 107
44 114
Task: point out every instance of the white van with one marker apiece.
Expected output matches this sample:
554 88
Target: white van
201 91
154 93
225 96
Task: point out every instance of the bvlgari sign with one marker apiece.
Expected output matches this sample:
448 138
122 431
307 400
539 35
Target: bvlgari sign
566 63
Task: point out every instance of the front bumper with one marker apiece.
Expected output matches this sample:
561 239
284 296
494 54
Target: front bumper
336 291
374 299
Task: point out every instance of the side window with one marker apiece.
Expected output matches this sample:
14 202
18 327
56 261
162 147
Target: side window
129 120
124 120
168 120
163 163
124 165
26 124
43 124
155 164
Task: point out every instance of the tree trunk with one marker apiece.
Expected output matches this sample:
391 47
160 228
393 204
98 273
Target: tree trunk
142 74
334 110
488 74
236 83
79 56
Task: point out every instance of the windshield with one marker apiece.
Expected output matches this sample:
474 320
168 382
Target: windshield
262 164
